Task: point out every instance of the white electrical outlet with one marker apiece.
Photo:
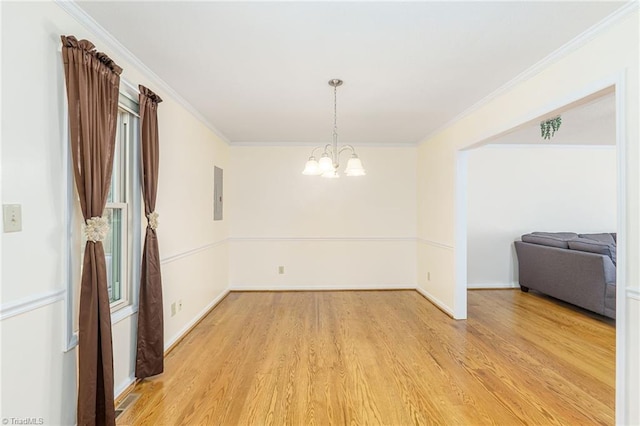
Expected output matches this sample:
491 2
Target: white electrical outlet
12 217
173 309
428 276
280 270
179 305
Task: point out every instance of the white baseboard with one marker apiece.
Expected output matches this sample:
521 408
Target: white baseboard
188 326
488 286
268 287
436 301
123 386
130 380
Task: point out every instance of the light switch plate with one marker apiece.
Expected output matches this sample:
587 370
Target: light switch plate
12 217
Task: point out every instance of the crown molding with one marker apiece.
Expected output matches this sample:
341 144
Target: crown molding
76 12
564 50
72 8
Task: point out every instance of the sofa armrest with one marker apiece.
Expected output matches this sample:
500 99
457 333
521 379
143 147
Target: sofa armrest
609 270
576 277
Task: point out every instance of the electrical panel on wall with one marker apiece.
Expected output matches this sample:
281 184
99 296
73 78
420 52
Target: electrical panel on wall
217 193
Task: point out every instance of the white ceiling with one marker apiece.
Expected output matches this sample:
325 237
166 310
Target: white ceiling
258 71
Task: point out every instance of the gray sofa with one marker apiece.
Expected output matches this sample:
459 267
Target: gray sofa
577 268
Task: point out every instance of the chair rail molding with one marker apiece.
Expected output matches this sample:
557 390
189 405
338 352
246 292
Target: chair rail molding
193 251
30 303
320 239
435 244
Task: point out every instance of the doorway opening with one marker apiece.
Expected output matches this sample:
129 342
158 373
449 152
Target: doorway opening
602 94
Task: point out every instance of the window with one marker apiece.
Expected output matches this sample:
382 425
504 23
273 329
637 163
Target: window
123 211
121 247
117 244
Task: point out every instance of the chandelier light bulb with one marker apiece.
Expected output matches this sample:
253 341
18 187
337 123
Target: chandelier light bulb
326 163
354 167
312 168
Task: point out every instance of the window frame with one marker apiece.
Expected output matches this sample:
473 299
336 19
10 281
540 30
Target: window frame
131 209
125 271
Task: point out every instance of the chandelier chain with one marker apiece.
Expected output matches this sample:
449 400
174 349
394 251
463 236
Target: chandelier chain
335 110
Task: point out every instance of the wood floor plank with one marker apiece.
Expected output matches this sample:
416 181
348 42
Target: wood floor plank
385 357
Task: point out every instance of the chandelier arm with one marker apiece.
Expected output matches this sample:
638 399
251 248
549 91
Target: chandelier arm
345 147
314 150
330 150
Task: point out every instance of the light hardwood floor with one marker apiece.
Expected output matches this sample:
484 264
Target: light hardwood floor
385 357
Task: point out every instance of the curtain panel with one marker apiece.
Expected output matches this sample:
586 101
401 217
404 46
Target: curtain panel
93 81
150 347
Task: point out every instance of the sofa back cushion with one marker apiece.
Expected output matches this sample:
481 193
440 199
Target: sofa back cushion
551 239
604 238
594 246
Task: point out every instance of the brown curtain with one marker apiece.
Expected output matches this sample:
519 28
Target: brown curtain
150 348
92 90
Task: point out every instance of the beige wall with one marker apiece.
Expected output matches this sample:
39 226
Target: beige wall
193 248
612 52
347 232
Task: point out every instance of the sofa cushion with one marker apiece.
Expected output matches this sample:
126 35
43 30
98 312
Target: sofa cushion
593 246
551 239
605 237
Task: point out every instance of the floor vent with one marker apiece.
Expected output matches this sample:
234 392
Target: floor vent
126 403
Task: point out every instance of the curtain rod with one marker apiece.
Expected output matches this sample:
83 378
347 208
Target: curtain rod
129 85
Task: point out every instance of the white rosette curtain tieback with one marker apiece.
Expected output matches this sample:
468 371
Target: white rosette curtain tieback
96 229
153 220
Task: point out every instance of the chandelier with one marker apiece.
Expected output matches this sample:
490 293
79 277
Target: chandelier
328 164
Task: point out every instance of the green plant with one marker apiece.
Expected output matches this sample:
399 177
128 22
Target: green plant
548 128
